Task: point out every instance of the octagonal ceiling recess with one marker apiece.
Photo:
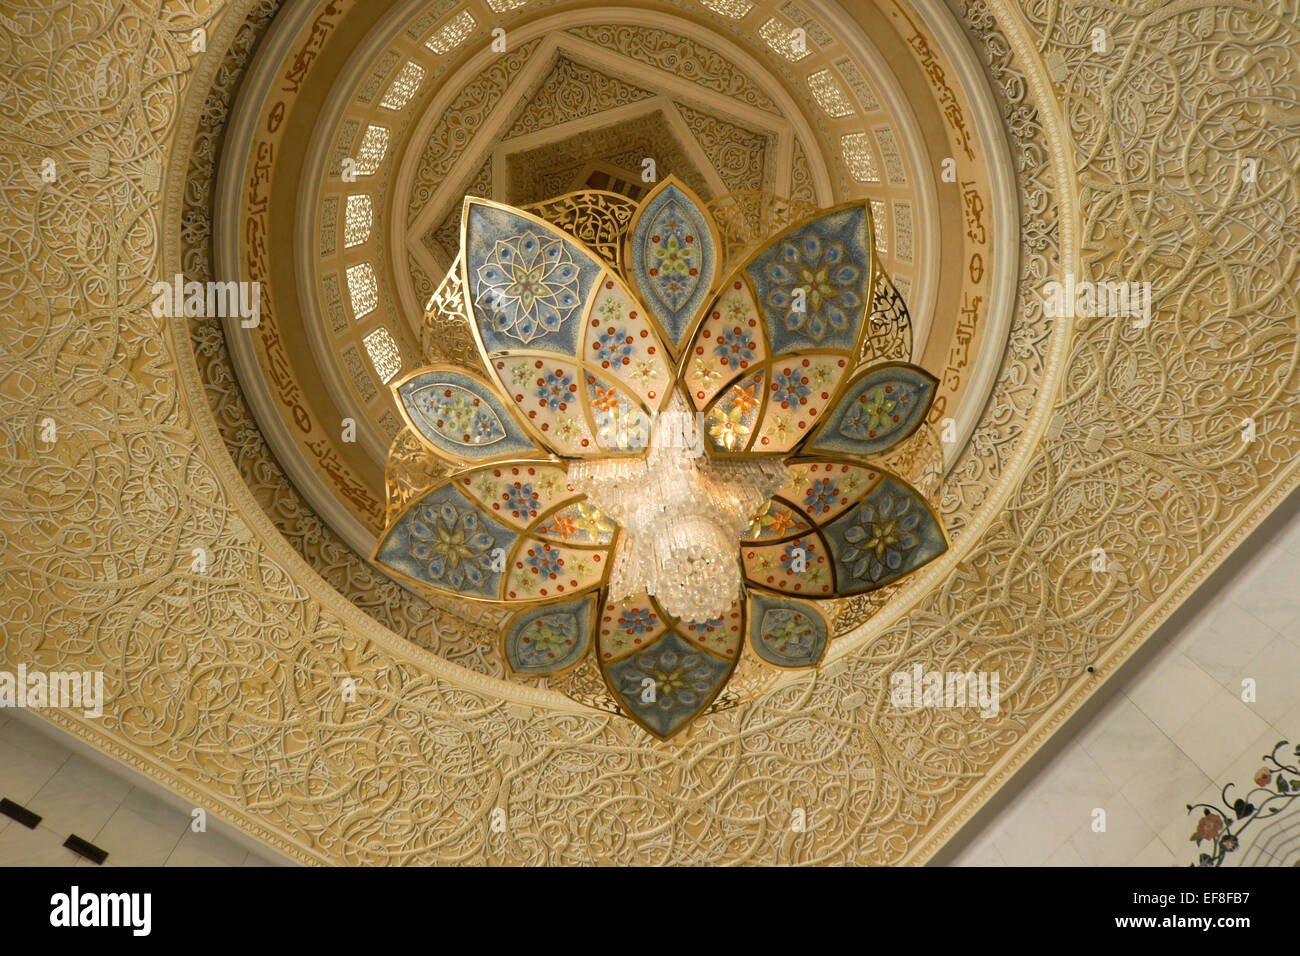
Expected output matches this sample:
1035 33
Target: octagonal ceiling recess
416 102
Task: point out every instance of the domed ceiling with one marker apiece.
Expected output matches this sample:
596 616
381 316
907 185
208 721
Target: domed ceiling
407 124
325 150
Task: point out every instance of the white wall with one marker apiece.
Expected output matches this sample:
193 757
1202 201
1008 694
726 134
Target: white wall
77 791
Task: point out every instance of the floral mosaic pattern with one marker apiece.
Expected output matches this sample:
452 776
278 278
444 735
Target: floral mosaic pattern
580 523
528 286
663 687
506 532
549 639
459 416
451 545
1236 830
676 679
587 365
673 258
776 520
813 286
885 534
814 282
893 531
880 407
546 638
785 633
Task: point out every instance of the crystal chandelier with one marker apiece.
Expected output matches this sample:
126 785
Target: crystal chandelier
659 425
683 515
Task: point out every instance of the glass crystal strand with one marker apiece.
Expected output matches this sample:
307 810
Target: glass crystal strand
682 516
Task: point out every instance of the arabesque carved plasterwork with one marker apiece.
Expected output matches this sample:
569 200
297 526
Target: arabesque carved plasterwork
224 684
463 638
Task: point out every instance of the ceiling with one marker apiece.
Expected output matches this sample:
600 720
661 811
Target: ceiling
228 161
574 97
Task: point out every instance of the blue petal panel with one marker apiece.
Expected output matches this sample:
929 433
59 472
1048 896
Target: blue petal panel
786 633
890 533
461 416
448 542
672 259
549 639
677 680
813 285
528 283
881 406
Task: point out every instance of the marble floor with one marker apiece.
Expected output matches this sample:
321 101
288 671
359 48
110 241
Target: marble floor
1170 729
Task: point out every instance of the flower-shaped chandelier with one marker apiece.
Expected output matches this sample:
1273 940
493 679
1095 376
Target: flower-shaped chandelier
657 452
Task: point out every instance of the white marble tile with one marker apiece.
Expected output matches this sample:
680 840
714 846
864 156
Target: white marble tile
96 775
1222 616
132 839
1214 736
1035 831
1123 739
69 803
22 774
1065 855
979 853
1073 783
20 846
1221 652
1125 836
1288 725
1170 689
206 849
18 733
1154 853
1292 632
1270 593
1167 780
1276 672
